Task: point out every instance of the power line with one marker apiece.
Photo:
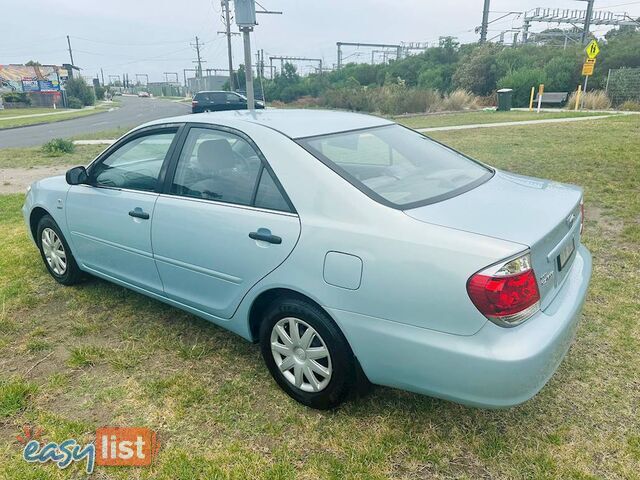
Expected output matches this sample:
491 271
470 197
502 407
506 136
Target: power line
129 44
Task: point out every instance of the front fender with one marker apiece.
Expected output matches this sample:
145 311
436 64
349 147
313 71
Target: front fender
50 195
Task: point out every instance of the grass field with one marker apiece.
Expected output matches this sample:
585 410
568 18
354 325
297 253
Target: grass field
113 357
54 117
489 116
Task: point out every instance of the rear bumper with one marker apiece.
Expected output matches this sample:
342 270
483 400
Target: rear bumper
496 367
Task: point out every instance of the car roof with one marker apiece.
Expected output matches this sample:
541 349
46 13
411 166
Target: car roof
294 123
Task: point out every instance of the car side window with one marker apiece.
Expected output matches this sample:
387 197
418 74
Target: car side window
216 165
233 98
136 164
269 195
218 98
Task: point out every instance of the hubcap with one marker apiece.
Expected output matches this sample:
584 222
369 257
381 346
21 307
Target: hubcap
54 251
301 354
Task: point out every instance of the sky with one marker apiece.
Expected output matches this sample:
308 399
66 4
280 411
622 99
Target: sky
154 36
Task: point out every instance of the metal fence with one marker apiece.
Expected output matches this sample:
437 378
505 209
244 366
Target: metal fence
623 84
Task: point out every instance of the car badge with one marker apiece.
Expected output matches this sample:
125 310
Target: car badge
546 277
570 219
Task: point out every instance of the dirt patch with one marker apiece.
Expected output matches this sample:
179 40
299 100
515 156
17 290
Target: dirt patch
610 225
16 180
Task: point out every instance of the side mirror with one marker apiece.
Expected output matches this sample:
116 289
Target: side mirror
77 176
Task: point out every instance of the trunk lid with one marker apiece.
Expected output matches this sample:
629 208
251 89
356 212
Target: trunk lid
540 214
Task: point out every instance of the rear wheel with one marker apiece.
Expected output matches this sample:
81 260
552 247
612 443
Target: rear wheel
56 253
306 353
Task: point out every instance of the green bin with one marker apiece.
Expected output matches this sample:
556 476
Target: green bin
504 99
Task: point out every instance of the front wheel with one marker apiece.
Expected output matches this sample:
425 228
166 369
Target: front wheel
306 353
56 253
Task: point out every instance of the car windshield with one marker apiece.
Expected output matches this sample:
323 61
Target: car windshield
397 166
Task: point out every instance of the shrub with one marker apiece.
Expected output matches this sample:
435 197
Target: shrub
630 106
100 91
77 87
459 100
521 82
593 100
58 146
74 102
396 99
16 97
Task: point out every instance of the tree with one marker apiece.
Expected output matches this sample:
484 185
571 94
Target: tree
32 63
478 71
78 88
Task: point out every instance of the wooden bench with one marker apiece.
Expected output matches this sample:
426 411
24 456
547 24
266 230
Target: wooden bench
555 98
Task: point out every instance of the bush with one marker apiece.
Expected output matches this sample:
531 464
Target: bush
459 100
16 97
630 106
77 87
58 146
396 99
521 82
100 91
593 100
74 102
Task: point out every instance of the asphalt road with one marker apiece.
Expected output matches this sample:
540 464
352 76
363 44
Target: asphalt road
132 112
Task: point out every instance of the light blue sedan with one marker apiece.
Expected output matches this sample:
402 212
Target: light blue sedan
351 248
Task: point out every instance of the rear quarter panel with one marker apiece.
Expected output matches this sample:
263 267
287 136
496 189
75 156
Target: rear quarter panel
412 272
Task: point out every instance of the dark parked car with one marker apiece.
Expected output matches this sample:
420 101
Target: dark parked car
218 101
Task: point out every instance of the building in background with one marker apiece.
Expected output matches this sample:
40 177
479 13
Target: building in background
209 82
43 84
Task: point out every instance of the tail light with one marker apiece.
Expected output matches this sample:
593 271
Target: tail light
507 294
581 215
194 103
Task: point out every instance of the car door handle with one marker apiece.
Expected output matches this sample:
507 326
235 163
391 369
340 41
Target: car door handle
139 213
264 235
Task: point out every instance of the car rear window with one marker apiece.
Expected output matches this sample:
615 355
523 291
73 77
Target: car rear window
397 166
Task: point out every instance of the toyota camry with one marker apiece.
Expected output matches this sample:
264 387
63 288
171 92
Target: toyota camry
352 249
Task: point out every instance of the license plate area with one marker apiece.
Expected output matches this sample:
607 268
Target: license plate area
566 253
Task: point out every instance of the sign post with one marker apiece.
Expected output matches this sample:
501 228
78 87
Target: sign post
533 91
592 50
540 93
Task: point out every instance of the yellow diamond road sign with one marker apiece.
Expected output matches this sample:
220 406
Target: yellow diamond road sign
592 49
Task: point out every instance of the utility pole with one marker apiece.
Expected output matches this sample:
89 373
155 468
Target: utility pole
248 71
245 15
102 75
199 61
485 22
587 22
227 24
70 51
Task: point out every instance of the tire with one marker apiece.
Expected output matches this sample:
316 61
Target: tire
313 379
55 252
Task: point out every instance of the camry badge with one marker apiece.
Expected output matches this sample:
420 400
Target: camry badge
546 277
570 219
